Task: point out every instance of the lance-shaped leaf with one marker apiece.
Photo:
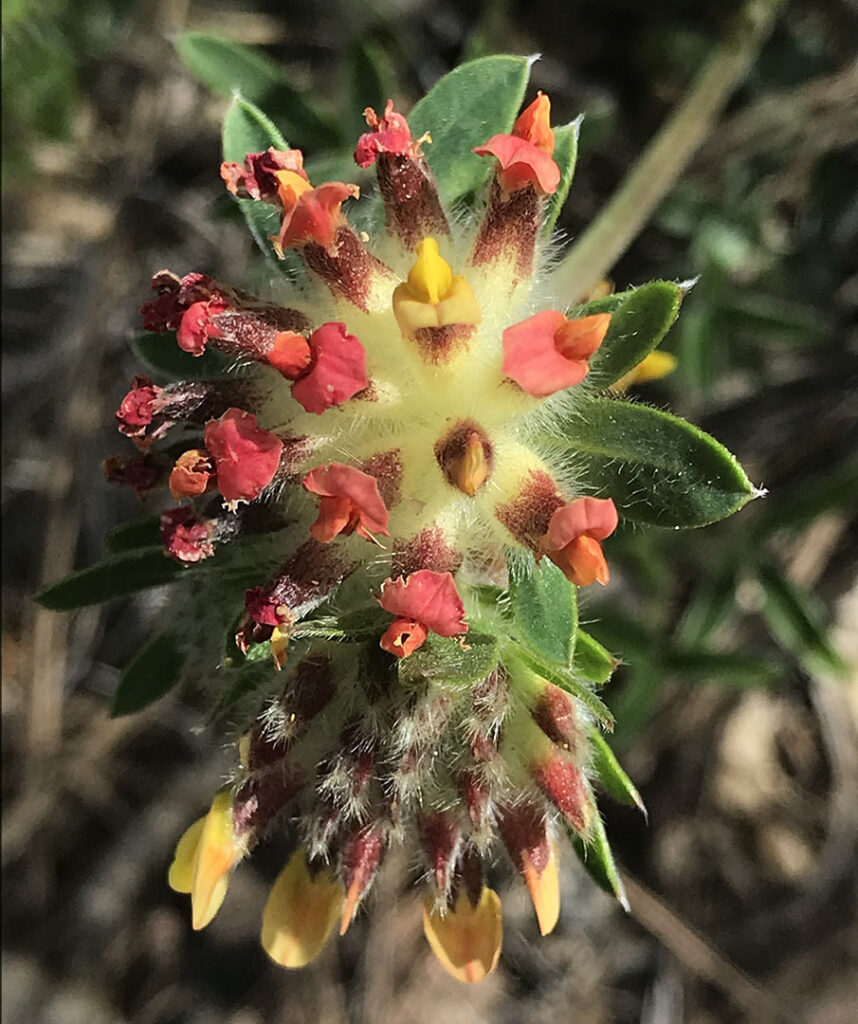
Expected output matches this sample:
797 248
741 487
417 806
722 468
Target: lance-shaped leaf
138 533
720 668
153 672
597 858
165 359
464 109
227 67
796 620
565 156
638 324
611 774
545 609
115 577
591 660
657 468
446 660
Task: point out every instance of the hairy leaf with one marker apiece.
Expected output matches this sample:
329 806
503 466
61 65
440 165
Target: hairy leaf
611 774
591 660
115 577
565 156
137 533
597 858
545 609
153 672
464 109
444 659
638 324
657 468
560 677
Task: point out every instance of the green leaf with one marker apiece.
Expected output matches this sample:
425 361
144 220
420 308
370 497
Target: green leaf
152 673
545 609
720 668
560 677
597 858
638 325
464 109
352 627
138 533
657 468
227 68
115 577
604 304
611 774
591 660
247 130
445 660
162 355
565 156
710 604
795 618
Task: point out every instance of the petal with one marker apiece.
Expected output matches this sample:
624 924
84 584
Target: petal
191 475
196 327
427 597
359 489
579 339
256 178
583 562
544 888
180 877
403 636
521 163
216 855
531 358
534 124
246 457
300 914
467 939
335 514
595 517
317 215
290 354
338 370
389 134
655 366
431 277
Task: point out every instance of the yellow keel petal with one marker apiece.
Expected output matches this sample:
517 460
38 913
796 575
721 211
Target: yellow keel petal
467 939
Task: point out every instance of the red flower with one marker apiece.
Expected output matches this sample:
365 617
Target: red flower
175 296
257 179
390 134
351 503
421 602
196 328
186 537
246 457
137 409
547 352
261 607
521 163
192 474
316 215
337 371
572 541
525 155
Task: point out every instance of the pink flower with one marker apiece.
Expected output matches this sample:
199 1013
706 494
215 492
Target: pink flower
290 354
196 328
547 352
421 602
521 163
246 457
572 541
351 503
192 475
337 370
261 607
390 134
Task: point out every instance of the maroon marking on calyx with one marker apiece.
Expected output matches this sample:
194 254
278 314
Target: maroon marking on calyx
386 467
528 514
411 205
451 449
563 784
251 332
523 831
427 550
261 799
554 713
440 836
509 230
439 345
348 269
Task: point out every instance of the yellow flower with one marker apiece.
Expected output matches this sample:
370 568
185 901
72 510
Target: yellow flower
432 296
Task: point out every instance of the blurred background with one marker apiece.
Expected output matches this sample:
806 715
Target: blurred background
738 702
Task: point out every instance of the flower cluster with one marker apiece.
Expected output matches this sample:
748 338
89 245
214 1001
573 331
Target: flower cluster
402 411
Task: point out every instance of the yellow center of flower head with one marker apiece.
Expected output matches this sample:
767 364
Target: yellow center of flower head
432 295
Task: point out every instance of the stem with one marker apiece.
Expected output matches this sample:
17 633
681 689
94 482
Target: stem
666 157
